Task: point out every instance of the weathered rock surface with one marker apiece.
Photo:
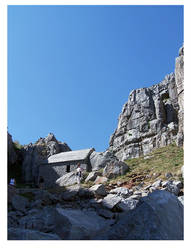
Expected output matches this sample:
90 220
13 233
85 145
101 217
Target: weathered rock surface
47 220
34 154
99 160
152 219
152 117
127 204
179 76
92 176
26 234
111 200
84 225
112 170
98 189
121 191
67 180
19 202
100 180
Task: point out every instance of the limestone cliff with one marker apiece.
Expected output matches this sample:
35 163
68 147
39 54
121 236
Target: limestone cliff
33 154
152 117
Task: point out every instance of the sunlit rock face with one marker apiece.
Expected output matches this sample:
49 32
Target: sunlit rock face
152 117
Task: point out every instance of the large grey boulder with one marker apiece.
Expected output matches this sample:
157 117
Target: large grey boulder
127 204
110 201
152 219
121 191
76 192
157 183
181 199
13 219
172 186
26 234
101 180
115 169
19 203
92 176
84 225
67 180
98 189
100 159
47 220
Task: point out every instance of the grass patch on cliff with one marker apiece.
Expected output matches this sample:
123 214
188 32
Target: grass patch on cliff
155 165
17 145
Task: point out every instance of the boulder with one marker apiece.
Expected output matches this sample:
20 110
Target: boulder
168 175
67 180
121 191
26 234
13 219
110 201
84 225
105 213
181 199
92 176
100 180
47 220
173 188
178 184
75 192
127 204
136 196
116 169
157 184
152 219
98 189
100 159
19 203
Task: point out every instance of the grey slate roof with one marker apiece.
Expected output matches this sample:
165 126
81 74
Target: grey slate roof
76 155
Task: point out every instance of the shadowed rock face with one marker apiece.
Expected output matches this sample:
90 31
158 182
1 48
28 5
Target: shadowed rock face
152 117
33 154
152 219
12 156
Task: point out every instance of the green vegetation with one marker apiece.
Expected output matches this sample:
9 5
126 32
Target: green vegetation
149 125
159 162
88 184
17 145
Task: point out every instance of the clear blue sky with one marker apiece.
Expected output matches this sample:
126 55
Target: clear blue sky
71 68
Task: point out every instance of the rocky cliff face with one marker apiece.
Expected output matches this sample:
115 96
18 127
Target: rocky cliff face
12 156
33 154
179 76
152 117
